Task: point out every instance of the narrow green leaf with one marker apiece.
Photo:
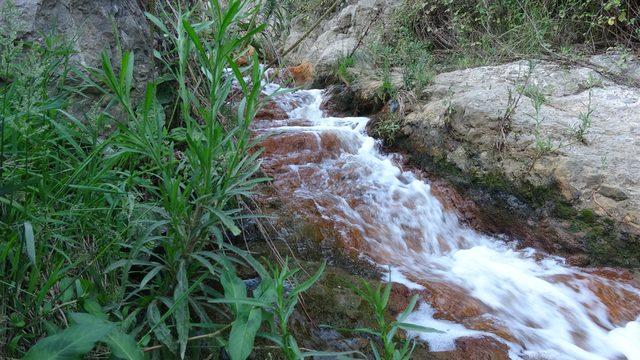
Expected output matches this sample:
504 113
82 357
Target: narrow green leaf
181 314
159 328
314 354
29 241
415 327
150 275
240 301
409 308
385 295
157 22
228 222
304 286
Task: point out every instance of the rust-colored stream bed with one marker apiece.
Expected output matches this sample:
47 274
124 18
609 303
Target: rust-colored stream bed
471 285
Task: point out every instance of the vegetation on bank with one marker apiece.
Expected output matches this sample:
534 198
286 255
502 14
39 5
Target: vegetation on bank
429 36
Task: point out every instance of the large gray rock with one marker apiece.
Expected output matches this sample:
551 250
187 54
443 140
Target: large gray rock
337 36
93 26
462 123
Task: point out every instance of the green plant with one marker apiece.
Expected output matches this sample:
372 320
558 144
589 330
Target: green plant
584 125
387 127
343 67
61 208
285 301
195 173
386 331
535 93
81 337
273 302
593 81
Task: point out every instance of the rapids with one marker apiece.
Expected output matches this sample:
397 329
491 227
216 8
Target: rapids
478 285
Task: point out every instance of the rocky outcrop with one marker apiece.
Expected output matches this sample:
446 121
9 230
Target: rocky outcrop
92 26
339 35
541 125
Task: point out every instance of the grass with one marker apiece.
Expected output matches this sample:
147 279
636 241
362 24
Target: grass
118 224
426 37
387 127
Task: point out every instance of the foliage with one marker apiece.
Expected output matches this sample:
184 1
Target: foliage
272 302
520 27
584 124
392 348
81 337
401 50
343 67
387 127
134 206
429 36
544 143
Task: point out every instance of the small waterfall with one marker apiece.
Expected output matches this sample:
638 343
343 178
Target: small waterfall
535 303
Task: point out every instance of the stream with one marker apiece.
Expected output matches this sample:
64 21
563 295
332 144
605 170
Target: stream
478 285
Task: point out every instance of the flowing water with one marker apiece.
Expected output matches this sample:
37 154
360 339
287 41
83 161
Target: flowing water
473 284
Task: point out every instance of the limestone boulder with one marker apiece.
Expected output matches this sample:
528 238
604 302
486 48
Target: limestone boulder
341 33
522 121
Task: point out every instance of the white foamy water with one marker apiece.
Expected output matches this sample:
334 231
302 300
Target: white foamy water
549 308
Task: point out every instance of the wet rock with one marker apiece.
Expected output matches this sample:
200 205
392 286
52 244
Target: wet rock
271 111
339 100
578 260
467 348
452 303
399 298
351 100
484 348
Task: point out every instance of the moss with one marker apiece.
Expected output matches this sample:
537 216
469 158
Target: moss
332 302
563 210
587 216
492 181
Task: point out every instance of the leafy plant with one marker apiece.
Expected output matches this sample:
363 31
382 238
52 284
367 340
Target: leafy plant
273 301
343 69
386 331
584 125
194 174
387 127
535 93
81 337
